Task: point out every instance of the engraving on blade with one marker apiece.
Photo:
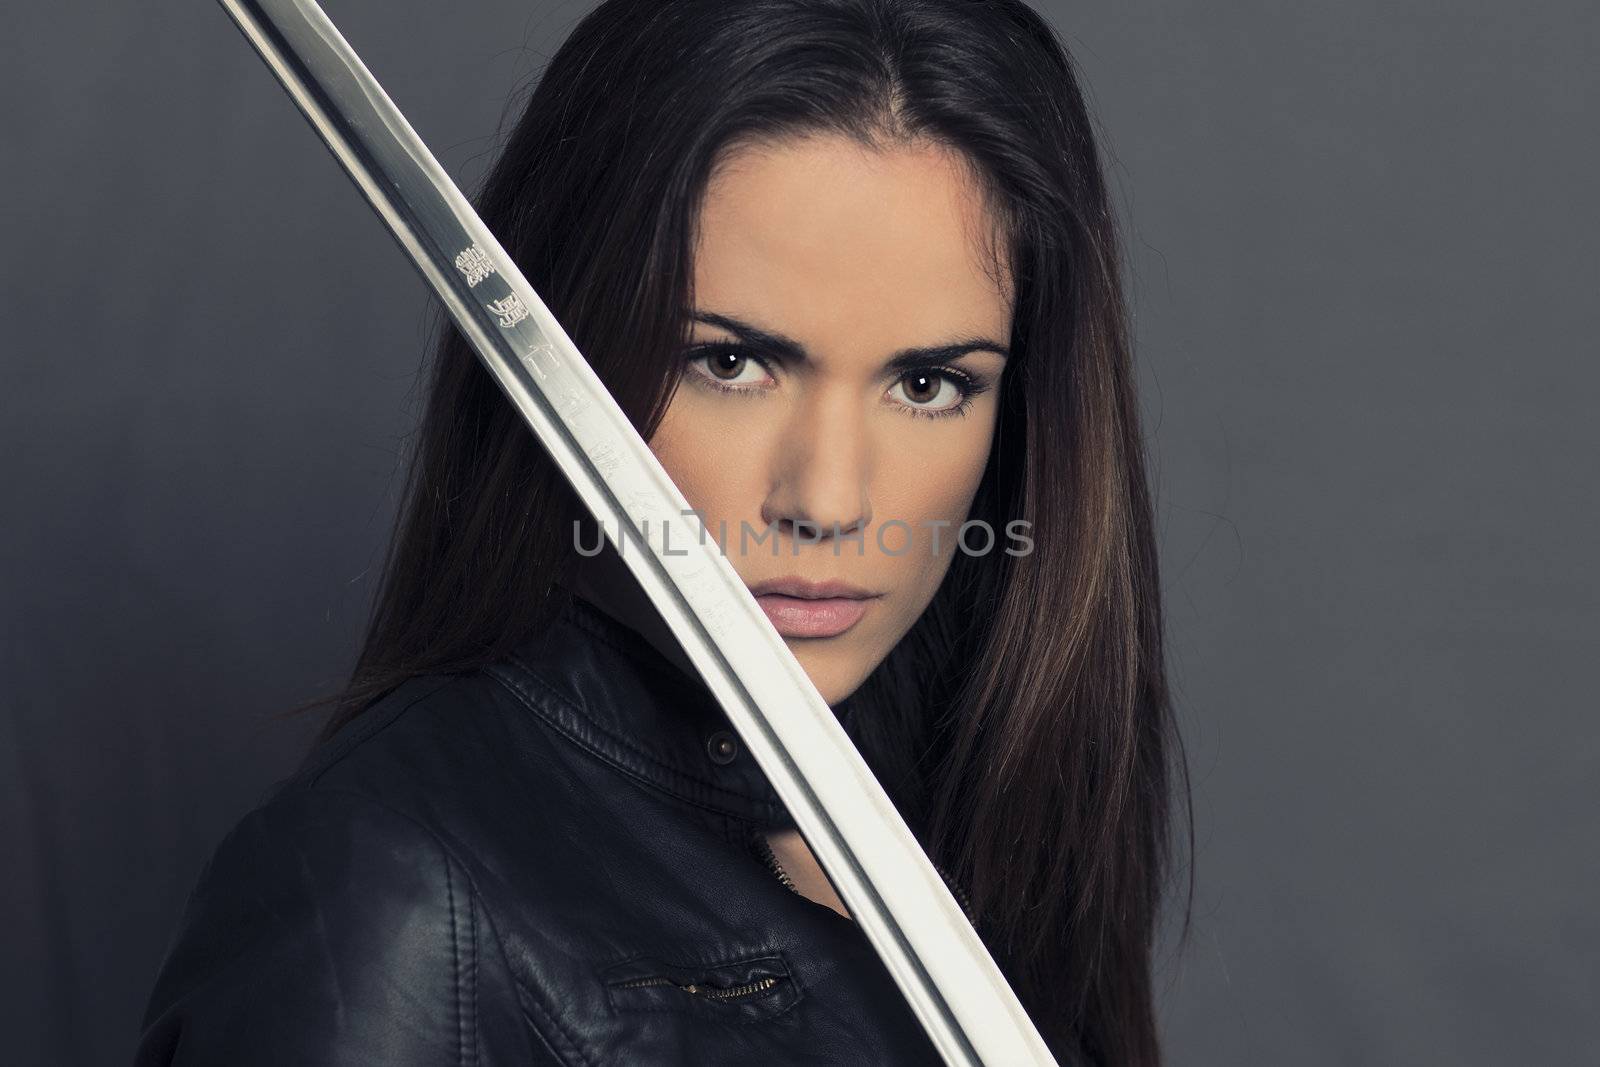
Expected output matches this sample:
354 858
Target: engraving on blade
641 506
700 589
475 263
569 403
541 358
712 616
605 459
510 308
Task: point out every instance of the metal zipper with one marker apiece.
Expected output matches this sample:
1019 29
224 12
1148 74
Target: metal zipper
771 861
760 985
764 847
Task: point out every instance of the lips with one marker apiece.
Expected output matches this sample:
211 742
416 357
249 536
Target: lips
798 608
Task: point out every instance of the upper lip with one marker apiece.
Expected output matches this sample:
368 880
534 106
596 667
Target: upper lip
804 590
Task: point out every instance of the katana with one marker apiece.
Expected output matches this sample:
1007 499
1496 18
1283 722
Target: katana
933 954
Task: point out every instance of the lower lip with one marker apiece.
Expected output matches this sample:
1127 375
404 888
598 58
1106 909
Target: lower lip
793 617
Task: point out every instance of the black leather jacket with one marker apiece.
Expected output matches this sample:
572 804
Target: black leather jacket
553 860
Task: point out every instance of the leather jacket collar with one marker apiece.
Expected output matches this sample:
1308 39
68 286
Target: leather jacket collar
639 712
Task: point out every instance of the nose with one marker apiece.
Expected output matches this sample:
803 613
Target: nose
821 470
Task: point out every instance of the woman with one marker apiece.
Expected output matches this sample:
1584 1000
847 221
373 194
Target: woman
850 268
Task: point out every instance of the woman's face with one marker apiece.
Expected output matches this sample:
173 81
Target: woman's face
809 450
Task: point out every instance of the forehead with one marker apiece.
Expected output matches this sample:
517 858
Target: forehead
828 239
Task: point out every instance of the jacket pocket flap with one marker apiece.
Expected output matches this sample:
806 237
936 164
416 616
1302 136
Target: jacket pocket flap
742 990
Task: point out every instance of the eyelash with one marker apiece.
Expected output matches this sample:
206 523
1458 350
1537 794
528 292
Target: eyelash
970 386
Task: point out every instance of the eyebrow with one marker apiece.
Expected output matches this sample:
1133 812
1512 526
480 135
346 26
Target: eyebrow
788 350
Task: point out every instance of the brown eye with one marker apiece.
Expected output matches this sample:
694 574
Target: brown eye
921 388
728 368
726 365
930 392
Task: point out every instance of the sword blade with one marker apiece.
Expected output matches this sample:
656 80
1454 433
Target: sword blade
892 890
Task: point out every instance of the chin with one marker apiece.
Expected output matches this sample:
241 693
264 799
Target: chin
835 681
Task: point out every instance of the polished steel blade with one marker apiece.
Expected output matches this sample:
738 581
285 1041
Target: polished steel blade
884 878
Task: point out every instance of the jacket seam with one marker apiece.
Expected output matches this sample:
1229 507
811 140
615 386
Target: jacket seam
455 958
589 747
451 861
526 673
472 942
544 1012
620 741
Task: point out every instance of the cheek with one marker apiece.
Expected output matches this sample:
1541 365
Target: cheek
712 456
918 483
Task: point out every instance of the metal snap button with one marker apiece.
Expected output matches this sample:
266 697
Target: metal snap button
722 747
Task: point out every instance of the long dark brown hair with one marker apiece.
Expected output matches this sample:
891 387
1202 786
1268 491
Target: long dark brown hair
1024 724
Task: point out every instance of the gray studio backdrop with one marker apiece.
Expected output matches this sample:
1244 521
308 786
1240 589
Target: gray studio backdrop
1363 257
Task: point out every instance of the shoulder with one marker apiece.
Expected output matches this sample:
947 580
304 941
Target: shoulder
337 922
321 918
324 865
